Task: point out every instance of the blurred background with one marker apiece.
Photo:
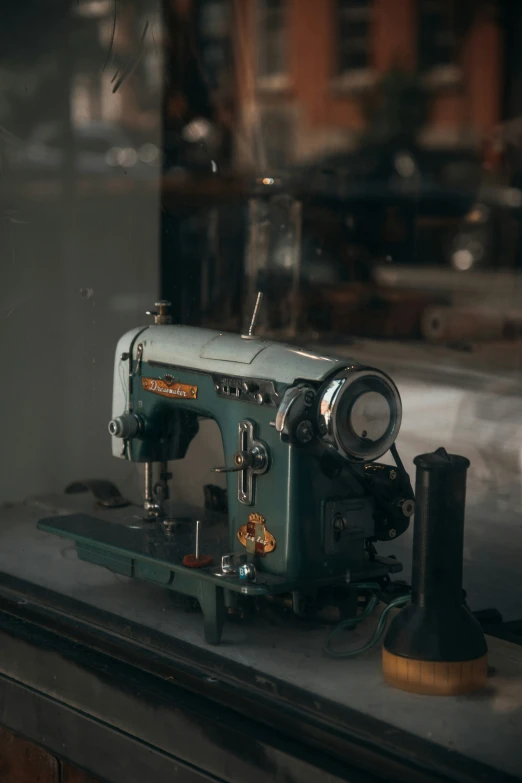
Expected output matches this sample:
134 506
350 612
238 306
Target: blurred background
360 161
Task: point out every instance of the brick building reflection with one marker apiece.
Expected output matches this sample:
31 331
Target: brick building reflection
304 68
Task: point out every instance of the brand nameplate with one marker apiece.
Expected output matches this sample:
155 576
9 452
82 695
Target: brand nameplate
170 388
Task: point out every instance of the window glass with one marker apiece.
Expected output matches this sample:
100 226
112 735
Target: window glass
359 164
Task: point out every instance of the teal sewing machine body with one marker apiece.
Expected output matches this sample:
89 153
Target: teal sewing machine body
222 369
300 432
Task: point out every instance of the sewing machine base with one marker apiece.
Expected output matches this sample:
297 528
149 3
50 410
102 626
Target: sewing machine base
150 551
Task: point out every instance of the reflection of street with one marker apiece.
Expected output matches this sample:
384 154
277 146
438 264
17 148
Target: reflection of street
478 415
79 274
100 150
490 420
482 423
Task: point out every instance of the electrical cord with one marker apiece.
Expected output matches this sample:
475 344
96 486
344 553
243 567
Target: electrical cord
375 593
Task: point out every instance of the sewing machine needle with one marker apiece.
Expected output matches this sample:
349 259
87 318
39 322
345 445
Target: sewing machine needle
197 539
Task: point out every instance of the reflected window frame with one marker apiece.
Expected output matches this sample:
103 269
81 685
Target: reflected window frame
437 55
271 33
354 35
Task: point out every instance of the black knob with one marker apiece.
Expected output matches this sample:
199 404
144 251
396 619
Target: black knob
126 426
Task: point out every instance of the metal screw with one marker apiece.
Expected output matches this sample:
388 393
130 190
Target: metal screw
338 523
392 532
305 431
407 507
170 525
309 397
393 474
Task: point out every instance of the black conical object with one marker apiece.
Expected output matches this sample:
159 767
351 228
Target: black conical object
435 645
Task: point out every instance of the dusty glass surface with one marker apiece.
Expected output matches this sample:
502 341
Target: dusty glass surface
356 160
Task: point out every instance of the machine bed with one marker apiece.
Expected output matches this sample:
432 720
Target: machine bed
271 661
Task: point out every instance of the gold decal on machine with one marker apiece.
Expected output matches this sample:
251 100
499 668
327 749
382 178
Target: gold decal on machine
168 387
255 537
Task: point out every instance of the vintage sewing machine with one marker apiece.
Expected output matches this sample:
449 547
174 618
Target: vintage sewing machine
301 435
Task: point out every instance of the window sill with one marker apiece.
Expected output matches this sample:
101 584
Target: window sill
277 84
353 82
443 77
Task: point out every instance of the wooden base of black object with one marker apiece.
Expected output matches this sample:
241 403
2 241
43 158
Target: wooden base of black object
435 650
